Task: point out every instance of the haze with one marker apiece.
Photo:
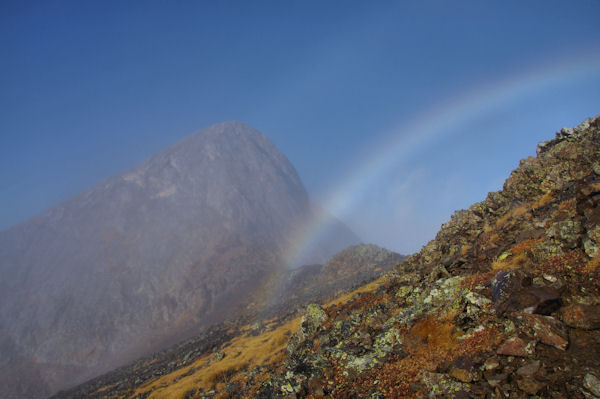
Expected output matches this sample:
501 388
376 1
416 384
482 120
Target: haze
384 108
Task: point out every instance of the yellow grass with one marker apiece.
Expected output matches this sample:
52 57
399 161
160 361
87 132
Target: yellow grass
511 262
241 352
514 213
371 287
465 249
543 201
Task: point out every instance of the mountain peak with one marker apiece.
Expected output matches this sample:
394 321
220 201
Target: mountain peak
176 243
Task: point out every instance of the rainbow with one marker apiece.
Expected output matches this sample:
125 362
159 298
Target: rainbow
437 122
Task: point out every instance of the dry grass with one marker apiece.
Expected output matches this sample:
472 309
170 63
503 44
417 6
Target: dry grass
511 262
593 265
525 245
369 288
514 213
241 353
543 200
464 250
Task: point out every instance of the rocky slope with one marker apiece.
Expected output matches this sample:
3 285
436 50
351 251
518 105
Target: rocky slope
147 257
504 302
297 288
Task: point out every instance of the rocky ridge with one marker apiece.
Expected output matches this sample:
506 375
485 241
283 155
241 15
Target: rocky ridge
504 302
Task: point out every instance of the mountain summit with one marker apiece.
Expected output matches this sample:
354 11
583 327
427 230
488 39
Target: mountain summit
148 256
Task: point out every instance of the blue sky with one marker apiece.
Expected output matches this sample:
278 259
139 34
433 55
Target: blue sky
394 113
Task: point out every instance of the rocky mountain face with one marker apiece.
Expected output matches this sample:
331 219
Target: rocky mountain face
298 287
147 257
504 302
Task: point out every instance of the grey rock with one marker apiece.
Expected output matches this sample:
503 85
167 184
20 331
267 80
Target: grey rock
592 384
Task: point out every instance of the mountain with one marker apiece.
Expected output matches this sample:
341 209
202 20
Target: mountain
504 302
297 288
147 257
344 270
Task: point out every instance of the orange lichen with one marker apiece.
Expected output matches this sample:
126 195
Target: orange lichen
564 264
437 333
476 279
426 352
593 265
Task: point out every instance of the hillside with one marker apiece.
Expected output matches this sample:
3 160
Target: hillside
296 289
149 257
504 302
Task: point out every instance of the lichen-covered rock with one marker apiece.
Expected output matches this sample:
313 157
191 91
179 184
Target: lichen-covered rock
385 342
569 232
313 318
447 293
311 322
442 385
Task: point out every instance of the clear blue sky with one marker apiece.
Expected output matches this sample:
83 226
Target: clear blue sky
90 88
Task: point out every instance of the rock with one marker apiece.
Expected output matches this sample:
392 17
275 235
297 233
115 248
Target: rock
529 385
461 374
491 364
311 322
440 385
477 299
508 289
313 318
592 384
361 363
446 292
586 317
529 369
591 248
567 231
385 342
404 291
515 346
497 379
546 329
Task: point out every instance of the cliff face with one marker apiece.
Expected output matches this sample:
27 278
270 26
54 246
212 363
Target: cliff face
145 257
504 302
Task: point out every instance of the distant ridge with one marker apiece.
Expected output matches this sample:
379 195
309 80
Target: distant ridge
146 257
